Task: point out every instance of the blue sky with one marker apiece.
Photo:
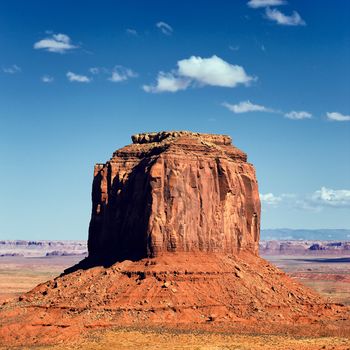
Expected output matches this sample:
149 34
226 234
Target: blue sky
77 78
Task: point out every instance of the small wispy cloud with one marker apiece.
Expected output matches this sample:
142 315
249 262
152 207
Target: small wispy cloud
270 199
198 72
47 79
72 77
12 69
165 28
121 73
280 18
117 74
95 70
58 43
245 107
316 201
264 3
233 47
298 115
132 32
338 117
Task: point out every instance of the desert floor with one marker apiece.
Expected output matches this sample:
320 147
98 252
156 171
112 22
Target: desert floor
330 276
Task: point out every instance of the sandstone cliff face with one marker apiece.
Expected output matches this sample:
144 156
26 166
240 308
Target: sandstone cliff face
174 192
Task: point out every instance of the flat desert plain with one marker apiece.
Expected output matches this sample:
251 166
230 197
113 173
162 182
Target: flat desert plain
328 275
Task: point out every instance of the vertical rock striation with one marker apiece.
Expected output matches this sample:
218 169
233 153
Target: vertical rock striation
174 192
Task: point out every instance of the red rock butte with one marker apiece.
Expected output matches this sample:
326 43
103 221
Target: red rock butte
175 191
173 242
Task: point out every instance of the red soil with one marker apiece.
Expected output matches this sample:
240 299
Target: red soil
241 293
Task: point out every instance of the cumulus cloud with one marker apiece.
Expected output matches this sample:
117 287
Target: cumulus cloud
198 71
297 115
78 78
246 106
167 82
213 71
47 79
58 43
121 73
282 19
338 117
165 28
264 3
270 199
12 69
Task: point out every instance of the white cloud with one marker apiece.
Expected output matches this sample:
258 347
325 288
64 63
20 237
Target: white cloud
246 106
316 201
335 116
117 74
165 28
264 3
270 199
331 198
12 69
234 47
282 19
213 71
47 79
200 71
94 70
297 115
167 82
78 78
58 43
121 73
132 32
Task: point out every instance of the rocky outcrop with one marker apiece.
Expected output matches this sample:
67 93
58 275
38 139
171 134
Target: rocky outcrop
174 192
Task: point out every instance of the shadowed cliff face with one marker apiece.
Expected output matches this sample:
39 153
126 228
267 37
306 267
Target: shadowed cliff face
174 192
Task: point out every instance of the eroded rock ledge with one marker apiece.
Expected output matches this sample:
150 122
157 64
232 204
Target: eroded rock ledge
151 137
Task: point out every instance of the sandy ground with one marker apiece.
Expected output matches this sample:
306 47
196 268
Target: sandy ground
19 274
328 275
151 340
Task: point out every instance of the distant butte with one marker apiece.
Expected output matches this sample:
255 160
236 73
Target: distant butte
173 242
